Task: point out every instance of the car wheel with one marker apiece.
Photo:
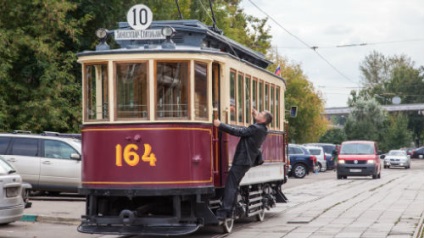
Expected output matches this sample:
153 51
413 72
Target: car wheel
339 177
320 167
299 171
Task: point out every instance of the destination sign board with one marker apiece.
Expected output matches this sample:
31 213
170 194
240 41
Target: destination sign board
153 34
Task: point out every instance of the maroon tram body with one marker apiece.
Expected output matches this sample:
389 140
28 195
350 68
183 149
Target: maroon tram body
162 156
153 163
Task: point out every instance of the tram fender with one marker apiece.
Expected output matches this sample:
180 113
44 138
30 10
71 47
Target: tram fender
203 210
280 197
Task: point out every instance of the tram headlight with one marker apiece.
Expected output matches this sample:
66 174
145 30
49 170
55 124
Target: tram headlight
101 33
168 32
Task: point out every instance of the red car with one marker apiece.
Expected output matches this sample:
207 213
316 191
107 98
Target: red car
358 158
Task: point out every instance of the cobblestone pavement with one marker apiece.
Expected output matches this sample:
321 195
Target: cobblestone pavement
392 206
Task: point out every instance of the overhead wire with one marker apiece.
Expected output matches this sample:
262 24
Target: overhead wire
353 45
314 48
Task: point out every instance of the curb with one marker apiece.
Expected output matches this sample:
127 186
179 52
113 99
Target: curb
50 219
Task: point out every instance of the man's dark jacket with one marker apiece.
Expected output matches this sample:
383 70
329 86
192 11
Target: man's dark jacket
251 139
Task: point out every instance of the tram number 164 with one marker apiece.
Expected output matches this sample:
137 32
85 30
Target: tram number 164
130 156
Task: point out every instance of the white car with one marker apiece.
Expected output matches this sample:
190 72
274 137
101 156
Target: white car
48 163
397 158
13 194
319 153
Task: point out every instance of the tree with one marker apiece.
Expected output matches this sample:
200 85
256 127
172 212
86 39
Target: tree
397 134
37 86
40 78
387 77
310 124
334 136
367 121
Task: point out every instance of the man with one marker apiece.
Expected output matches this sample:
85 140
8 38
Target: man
247 152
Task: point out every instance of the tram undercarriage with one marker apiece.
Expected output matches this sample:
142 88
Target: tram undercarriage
135 213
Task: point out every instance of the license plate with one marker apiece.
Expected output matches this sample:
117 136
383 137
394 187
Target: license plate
355 170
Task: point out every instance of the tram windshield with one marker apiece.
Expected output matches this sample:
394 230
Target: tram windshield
142 95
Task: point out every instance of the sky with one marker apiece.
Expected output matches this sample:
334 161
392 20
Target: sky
344 32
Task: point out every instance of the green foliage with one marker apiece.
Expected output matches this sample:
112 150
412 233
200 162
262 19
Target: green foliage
40 85
310 124
367 121
35 78
397 135
387 77
334 136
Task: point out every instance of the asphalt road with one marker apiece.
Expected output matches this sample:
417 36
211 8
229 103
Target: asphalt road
319 206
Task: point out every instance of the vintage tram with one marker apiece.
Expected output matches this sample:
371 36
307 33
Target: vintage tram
153 163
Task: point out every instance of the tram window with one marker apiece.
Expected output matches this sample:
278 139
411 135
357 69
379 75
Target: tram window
272 105
240 96
200 90
255 93
277 107
233 96
247 99
96 92
131 90
261 97
172 90
266 97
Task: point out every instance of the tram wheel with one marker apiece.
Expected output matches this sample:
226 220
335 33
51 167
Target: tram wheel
228 225
261 216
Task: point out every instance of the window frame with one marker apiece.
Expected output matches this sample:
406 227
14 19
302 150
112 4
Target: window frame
86 96
115 91
155 93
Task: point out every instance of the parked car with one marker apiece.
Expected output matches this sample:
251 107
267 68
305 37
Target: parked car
329 150
408 151
13 194
48 163
319 154
418 153
397 158
358 158
301 161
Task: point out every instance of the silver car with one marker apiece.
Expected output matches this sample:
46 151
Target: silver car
48 163
13 194
397 158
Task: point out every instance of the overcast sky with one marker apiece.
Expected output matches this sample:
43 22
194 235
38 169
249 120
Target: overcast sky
390 27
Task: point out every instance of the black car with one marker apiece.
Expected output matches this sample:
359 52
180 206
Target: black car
418 153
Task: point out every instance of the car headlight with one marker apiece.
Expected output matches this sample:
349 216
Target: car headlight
370 162
341 162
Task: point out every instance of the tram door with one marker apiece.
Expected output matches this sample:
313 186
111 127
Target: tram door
216 75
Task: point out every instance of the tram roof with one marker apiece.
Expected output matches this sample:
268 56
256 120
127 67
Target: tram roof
190 35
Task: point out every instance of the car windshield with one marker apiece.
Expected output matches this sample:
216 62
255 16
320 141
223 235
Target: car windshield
397 153
315 151
357 149
5 168
328 149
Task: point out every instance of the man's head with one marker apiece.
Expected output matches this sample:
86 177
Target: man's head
264 117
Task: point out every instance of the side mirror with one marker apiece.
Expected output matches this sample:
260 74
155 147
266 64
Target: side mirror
382 156
75 156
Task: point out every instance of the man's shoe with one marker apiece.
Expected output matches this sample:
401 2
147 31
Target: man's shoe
221 214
